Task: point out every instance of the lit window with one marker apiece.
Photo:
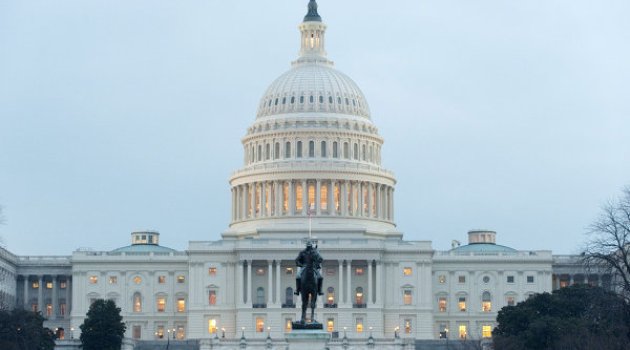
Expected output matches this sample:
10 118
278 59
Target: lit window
93 280
407 297
181 279
62 308
288 325
462 331
288 271
442 304
181 304
63 284
359 296
486 302
49 310
260 324
212 297
530 279
161 304
442 279
160 332
510 300
49 285
137 302
161 279
461 279
510 279
137 280
212 271
486 331
461 304
181 332
359 325
407 271
260 271
330 325
212 326
358 271
407 326
113 279
330 296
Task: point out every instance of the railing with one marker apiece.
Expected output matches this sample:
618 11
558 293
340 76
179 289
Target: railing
259 306
288 306
359 306
330 306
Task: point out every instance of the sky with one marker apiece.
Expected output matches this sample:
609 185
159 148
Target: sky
117 116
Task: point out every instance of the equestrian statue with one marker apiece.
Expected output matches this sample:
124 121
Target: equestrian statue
309 279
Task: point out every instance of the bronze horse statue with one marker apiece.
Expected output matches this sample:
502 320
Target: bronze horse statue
309 290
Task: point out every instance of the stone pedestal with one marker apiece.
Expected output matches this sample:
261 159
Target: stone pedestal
309 339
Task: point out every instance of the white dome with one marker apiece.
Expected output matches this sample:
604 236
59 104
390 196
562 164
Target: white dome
313 87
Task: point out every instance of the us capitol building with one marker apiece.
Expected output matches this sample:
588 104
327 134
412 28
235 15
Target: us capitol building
311 164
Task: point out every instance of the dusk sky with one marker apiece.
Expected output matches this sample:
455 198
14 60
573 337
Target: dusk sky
117 116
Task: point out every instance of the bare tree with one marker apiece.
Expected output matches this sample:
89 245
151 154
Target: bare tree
608 247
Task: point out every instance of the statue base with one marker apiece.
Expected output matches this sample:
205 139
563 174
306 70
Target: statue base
307 326
311 339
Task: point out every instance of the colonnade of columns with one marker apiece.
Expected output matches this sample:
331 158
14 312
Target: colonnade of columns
55 302
351 288
323 197
561 280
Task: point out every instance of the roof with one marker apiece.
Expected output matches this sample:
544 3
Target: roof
143 248
483 248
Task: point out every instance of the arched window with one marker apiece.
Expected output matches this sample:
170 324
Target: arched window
267 151
287 150
346 151
322 152
338 100
311 99
260 295
363 153
301 99
292 99
355 154
358 296
276 151
284 100
137 302
276 102
311 149
330 99
321 99
259 153
288 296
299 149
335 150
330 296
486 302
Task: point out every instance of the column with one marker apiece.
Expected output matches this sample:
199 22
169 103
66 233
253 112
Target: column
318 186
263 199
339 296
391 199
249 282
360 186
344 198
278 190
40 294
332 209
304 198
25 302
68 295
378 201
349 282
379 282
240 282
278 286
244 189
370 298
252 189
54 301
370 200
269 283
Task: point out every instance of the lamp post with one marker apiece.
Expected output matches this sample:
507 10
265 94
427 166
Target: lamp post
446 331
396 332
168 338
222 332
71 332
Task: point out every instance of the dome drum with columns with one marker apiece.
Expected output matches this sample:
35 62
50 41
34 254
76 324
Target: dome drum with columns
312 151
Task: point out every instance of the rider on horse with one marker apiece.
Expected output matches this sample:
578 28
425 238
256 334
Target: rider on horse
308 256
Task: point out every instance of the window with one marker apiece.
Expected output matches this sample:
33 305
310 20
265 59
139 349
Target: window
407 297
181 304
137 302
461 304
442 279
510 279
260 271
267 151
260 295
510 300
301 99
292 99
161 279
276 150
49 310
160 332
136 332
486 331
407 326
461 279
299 149
288 271
49 285
212 297
486 302
407 271
260 323
321 99
288 296
442 304
323 197
212 325
311 149
346 151
287 150
322 151
34 307
63 284
288 325
212 271
355 154
486 279
358 296
359 271
298 197
335 150
330 325
93 280
330 295
62 308
161 304
181 279
181 333
137 280
363 153
311 99
259 153
530 279
330 99
359 324
112 279
462 331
